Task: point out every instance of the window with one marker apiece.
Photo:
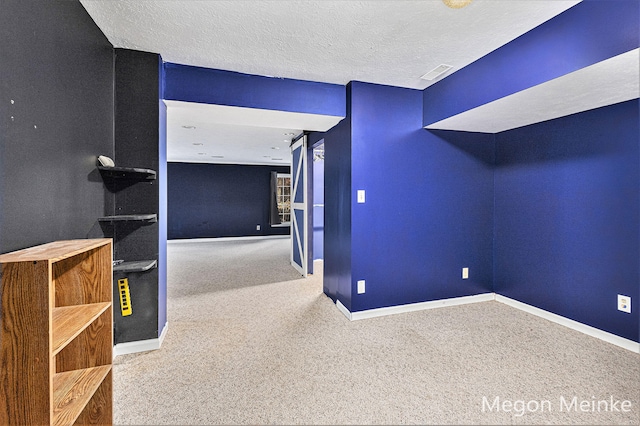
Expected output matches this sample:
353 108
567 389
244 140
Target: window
283 198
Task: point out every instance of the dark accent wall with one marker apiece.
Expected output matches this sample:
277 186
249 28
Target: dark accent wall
220 200
56 116
137 144
567 216
429 203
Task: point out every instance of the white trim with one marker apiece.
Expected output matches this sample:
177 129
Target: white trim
163 333
281 225
574 325
343 309
141 345
278 177
299 172
213 240
412 307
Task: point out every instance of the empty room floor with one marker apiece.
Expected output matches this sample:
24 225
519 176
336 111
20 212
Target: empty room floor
250 342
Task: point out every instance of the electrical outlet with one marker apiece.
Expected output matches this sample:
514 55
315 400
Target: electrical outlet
257 227
624 303
465 273
361 286
360 196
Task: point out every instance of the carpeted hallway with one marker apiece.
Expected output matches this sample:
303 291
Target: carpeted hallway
249 342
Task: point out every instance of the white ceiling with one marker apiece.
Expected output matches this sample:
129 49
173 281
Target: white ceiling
202 133
385 42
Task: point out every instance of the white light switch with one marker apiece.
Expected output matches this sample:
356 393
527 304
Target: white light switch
465 273
624 303
361 286
360 196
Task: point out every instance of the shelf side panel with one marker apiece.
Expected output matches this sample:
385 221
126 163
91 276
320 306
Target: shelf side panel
84 278
99 409
91 348
26 370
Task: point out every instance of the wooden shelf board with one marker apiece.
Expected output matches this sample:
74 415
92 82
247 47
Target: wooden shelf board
69 321
55 251
135 266
73 390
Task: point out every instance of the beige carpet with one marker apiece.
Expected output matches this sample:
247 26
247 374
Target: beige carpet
250 343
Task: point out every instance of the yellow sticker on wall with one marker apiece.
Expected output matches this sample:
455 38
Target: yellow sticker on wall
125 299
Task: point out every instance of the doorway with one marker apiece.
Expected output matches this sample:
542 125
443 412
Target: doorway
318 200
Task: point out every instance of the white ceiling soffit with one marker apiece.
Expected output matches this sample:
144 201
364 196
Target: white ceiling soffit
605 83
202 133
391 42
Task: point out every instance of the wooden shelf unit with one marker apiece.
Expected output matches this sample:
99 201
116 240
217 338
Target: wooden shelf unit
56 334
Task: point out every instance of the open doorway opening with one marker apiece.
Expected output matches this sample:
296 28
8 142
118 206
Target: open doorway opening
318 200
220 163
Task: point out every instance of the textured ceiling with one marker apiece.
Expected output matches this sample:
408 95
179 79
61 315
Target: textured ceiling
386 42
377 41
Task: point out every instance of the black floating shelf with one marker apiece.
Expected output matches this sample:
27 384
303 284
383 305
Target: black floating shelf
127 173
130 218
137 266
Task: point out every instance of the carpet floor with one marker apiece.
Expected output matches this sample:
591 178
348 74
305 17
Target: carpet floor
250 342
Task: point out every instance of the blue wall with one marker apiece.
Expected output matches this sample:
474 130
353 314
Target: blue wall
429 203
589 32
209 86
565 222
220 200
566 190
567 217
162 207
337 209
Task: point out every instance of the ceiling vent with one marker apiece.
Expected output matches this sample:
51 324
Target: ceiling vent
436 72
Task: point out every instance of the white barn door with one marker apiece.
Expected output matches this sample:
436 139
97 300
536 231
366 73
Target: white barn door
299 205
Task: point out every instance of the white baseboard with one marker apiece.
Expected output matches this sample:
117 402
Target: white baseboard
213 240
163 333
574 325
141 345
412 307
343 309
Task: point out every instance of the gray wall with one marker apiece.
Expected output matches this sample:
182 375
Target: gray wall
56 116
